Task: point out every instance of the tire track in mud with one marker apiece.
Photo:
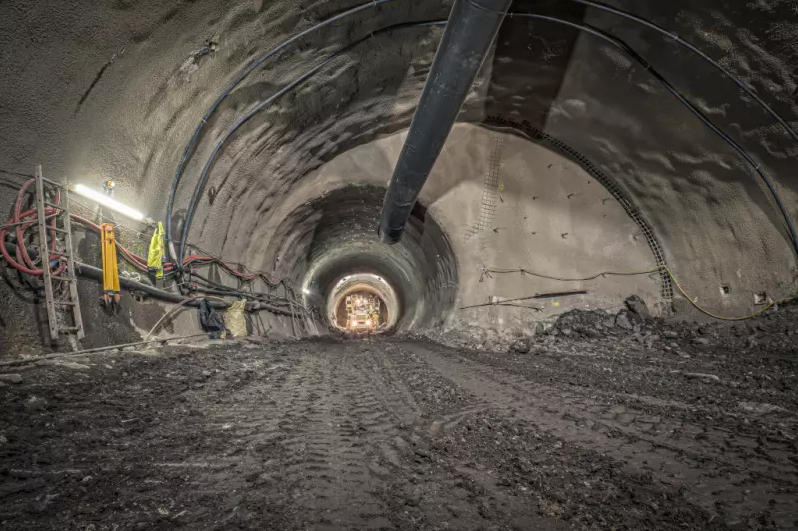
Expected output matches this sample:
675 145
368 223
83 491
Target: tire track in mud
381 435
723 473
430 485
325 423
327 450
357 452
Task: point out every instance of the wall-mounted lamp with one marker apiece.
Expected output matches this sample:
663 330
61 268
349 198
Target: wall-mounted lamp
106 201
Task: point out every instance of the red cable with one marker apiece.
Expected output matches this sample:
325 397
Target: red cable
218 261
135 259
28 267
20 244
20 231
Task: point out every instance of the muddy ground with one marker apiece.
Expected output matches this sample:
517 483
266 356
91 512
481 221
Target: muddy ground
580 432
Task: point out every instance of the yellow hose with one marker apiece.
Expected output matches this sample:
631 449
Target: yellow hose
722 318
488 270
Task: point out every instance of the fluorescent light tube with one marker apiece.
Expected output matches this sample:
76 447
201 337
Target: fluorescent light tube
104 200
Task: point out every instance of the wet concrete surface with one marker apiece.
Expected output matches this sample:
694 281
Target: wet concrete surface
577 433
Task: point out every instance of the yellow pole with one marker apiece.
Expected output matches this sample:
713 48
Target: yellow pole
110 264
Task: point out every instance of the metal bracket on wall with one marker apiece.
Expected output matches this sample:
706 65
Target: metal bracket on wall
490 195
59 211
535 135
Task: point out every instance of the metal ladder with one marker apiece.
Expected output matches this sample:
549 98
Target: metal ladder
66 230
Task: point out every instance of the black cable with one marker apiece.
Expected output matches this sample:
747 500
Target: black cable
692 108
246 270
659 29
194 276
192 273
248 70
275 307
17 174
234 291
241 121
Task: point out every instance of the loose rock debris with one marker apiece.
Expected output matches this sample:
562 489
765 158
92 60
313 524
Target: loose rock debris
578 432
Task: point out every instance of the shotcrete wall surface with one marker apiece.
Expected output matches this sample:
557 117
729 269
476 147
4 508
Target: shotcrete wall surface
116 89
717 221
539 212
363 283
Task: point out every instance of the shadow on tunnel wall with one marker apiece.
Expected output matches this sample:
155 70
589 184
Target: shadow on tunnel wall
530 61
367 92
335 236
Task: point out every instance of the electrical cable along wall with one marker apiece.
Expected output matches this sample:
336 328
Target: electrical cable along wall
30 262
284 93
536 135
667 292
23 258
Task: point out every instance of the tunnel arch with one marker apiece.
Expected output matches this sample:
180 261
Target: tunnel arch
432 23
387 308
130 100
667 288
332 236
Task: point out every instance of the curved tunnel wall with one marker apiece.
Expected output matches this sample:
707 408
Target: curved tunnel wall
368 283
505 202
115 89
329 237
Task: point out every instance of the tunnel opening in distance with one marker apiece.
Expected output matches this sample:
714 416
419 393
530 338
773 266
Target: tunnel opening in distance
363 302
331 245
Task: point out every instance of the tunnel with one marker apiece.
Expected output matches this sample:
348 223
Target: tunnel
331 246
432 264
265 135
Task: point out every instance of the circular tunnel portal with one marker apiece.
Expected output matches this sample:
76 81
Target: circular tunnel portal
363 302
331 245
229 112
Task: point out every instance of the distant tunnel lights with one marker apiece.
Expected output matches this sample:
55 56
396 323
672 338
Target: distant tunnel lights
104 200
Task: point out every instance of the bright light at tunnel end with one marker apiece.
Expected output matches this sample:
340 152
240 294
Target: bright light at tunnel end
363 303
106 201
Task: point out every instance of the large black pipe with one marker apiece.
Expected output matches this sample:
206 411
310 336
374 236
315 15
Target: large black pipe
470 32
95 273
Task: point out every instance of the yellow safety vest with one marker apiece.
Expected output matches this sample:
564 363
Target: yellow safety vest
157 254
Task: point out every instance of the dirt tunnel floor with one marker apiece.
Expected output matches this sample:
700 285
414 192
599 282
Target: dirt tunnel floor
396 434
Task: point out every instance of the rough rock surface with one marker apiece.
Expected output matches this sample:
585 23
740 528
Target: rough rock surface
93 90
581 433
776 328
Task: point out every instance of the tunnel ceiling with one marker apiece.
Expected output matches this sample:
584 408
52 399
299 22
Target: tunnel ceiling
117 89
